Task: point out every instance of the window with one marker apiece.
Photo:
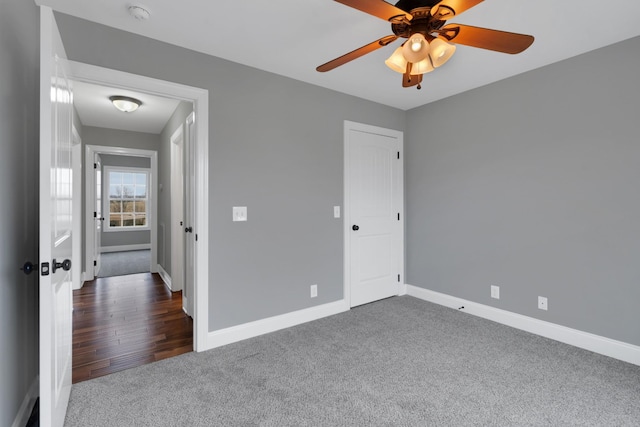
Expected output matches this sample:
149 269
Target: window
127 201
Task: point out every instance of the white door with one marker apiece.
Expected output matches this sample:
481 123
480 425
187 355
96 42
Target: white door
374 244
177 210
55 224
98 215
190 241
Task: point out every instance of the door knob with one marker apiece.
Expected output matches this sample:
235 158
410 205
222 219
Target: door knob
65 265
355 228
188 230
28 267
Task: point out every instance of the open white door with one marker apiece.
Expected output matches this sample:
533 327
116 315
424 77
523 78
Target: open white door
177 210
55 224
373 213
190 241
98 215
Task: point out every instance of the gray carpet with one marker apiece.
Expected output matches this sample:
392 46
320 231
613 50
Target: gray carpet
123 263
397 362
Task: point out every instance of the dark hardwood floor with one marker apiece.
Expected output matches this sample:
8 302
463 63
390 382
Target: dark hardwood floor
126 321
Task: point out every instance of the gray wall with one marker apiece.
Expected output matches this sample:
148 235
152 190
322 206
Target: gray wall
19 41
129 237
276 147
119 138
531 184
176 120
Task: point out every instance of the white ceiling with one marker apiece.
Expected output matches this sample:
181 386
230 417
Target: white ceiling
95 109
292 37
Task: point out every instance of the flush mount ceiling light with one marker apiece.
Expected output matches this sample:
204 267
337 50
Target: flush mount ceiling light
141 13
428 44
125 103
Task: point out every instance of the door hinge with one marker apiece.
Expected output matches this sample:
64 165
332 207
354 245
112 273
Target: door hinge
398 216
95 263
196 237
398 278
95 166
95 214
398 155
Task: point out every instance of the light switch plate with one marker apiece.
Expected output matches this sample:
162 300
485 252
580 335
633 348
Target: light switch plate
495 292
336 211
239 213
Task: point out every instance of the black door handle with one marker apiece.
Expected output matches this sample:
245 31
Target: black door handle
188 230
28 267
65 265
355 228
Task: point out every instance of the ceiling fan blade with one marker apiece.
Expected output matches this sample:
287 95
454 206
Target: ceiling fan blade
356 53
378 8
447 9
408 80
484 38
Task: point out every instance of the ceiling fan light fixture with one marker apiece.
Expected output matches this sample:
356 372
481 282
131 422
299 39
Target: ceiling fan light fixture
416 48
421 67
396 61
125 104
441 51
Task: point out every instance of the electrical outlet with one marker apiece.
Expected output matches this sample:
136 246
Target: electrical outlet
239 213
495 292
314 291
542 303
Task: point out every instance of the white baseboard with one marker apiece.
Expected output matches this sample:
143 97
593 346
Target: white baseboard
165 277
123 248
403 290
272 324
86 277
27 404
617 349
81 281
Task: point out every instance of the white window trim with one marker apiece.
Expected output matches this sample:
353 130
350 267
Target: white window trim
105 198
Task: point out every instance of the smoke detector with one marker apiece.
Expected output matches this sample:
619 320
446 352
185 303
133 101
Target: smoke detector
141 13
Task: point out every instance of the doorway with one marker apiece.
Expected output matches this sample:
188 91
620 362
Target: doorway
200 128
121 209
152 284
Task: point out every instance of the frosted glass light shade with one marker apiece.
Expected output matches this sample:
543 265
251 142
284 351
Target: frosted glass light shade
416 48
421 67
397 62
441 51
125 103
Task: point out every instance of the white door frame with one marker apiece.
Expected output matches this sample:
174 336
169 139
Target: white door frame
200 99
76 233
347 224
90 200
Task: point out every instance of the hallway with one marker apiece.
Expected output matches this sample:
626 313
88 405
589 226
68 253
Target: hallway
126 321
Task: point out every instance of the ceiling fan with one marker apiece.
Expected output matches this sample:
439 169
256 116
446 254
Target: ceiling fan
428 44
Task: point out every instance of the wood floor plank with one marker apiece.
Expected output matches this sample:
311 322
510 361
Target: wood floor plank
124 322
